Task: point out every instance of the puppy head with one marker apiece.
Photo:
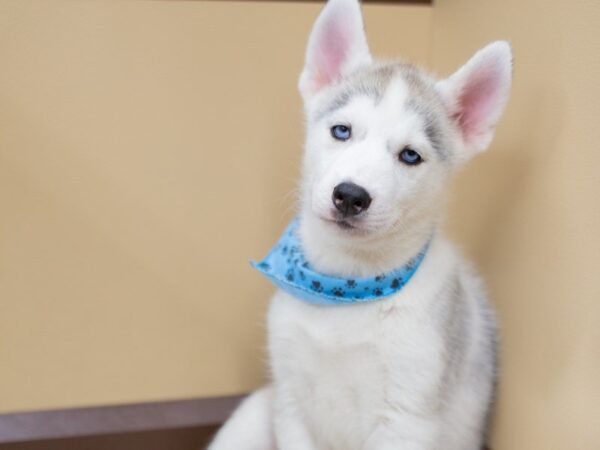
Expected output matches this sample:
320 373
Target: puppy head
383 138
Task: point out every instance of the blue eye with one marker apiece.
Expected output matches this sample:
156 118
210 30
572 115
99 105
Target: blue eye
410 157
341 132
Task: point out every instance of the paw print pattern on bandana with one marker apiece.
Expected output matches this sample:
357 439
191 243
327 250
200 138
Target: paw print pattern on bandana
287 267
316 286
338 292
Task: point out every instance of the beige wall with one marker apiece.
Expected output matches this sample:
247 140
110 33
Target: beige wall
529 212
147 151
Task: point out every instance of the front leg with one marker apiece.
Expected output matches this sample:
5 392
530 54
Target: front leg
290 432
406 432
250 427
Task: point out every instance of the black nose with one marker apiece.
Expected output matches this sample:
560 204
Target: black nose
350 199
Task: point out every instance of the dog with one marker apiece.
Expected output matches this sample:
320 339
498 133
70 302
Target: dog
413 367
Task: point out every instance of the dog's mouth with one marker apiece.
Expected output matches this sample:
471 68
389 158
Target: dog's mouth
345 225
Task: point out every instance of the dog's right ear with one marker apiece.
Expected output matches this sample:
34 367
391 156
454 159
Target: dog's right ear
336 47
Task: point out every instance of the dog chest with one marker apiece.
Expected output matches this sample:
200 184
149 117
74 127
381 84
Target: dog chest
333 374
340 367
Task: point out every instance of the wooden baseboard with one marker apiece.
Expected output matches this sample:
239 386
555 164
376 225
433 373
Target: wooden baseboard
180 419
194 438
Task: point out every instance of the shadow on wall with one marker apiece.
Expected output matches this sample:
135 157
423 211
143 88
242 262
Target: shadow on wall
492 188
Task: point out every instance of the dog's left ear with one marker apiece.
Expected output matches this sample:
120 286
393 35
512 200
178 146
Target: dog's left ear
475 95
336 47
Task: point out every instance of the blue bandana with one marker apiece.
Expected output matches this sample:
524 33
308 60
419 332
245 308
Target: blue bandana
287 268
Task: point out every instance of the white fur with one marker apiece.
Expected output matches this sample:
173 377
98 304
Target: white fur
414 371
371 376
249 428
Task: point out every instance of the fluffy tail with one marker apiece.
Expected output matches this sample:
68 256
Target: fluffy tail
249 428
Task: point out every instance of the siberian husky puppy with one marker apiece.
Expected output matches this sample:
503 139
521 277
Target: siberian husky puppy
410 366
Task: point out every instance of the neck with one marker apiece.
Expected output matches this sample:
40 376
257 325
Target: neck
329 251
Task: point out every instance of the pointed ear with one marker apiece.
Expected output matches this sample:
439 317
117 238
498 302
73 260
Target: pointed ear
336 47
476 95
